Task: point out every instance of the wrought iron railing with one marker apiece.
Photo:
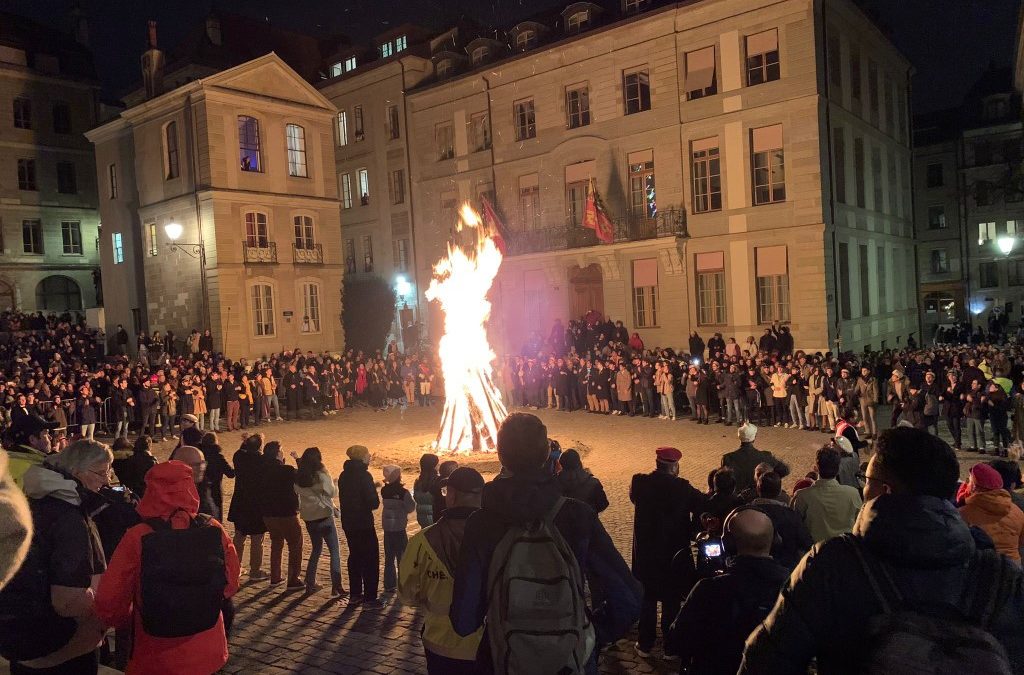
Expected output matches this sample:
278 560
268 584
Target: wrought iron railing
308 254
263 252
667 223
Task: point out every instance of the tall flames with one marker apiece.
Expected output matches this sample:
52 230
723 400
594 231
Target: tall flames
472 406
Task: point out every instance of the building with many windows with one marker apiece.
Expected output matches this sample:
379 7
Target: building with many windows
753 156
221 210
49 223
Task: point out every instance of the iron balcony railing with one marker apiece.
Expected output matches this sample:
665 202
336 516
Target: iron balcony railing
667 223
259 252
308 254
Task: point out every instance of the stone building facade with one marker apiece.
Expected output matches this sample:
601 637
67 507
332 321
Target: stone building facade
49 222
243 163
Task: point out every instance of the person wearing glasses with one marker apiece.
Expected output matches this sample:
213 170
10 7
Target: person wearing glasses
52 624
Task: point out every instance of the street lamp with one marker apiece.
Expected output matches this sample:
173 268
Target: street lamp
174 231
402 286
1006 244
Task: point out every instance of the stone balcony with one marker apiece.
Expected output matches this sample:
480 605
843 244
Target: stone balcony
667 223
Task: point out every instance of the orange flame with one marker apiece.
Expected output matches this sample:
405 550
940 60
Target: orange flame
473 410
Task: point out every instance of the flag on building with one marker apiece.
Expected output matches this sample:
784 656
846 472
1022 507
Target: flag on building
595 217
493 224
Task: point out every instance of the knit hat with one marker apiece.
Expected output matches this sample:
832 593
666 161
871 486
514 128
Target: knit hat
360 452
392 473
986 478
747 432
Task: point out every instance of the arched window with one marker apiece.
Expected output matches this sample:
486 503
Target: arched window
577 21
296 151
526 39
444 68
171 150
480 54
262 304
58 294
249 143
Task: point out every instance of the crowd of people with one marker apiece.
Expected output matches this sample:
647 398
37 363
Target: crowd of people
519 574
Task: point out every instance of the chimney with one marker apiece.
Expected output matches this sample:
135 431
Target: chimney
213 29
153 66
79 25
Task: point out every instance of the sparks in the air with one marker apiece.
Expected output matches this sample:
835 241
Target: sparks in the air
473 409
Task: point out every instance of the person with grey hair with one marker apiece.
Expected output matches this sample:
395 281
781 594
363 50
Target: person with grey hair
47 619
15 525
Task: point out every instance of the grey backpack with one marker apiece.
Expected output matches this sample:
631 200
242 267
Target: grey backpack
537 619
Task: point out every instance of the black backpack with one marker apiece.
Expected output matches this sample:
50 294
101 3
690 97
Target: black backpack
183 578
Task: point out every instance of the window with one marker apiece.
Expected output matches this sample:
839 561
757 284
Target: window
763 57
637 89
296 136
71 236
855 78
367 253
933 176
876 178
707 175
304 232
645 293
249 143
839 160
350 63
529 201
443 68
710 271
936 217
883 281
577 21
346 190
480 55
118 247
865 282
310 308
151 237
61 118
480 131
342 128
364 186
982 153
32 236
526 39
525 120
988 275
1015 272
986 232
386 50
401 43
397 186
983 193
67 182
772 273
768 165
27 174
444 141
262 310
642 202
939 261
634 6
835 65
858 168
1011 150
577 106
112 181
22 113
844 281
873 104
171 150
700 74
394 129
336 69
357 114
400 254
575 201
256 234
350 256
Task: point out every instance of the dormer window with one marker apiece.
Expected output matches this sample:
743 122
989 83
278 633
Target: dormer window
444 68
634 6
577 21
336 69
401 43
526 39
480 55
350 63
386 50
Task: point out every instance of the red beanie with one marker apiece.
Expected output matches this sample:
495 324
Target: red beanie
986 478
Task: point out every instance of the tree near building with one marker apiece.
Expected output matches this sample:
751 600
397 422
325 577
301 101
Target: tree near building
367 312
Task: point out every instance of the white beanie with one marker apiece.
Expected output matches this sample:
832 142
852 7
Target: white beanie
747 432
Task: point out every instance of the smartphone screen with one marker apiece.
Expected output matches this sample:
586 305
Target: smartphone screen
712 550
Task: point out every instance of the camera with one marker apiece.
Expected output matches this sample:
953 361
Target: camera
711 549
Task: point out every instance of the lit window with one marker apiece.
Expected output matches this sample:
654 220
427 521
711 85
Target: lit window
296 150
256 233
151 236
171 150
357 115
401 43
346 190
350 64
342 128
118 243
310 308
336 69
304 232
525 119
400 253
526 39
367 253
364 186
642 202
249 143
263 310
637 86
386 50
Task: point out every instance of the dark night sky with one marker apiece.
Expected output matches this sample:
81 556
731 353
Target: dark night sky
951 42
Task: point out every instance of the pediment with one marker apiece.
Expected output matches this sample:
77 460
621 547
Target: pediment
271 77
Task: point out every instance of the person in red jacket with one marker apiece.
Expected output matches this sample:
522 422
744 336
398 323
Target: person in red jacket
170 496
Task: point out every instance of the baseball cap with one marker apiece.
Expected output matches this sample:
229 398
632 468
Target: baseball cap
464 479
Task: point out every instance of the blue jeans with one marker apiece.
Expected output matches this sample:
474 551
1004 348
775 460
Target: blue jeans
394 547
320 531
734 406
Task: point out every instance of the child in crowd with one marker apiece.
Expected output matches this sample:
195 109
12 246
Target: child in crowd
398 504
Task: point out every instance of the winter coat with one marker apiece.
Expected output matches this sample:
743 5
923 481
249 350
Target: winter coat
624 385
277 495
995 513
828 508
316 502
357 496
425 489
582 485
397 505
170 496
245 511
792 538
664 509
745 459
131 467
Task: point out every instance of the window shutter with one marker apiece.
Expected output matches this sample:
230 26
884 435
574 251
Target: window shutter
700 69
645 272
705 144
640 157
767 138
762 43
711 262
771 261
580 171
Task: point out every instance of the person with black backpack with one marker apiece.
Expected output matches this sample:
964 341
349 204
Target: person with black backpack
523 564
908 591
171 577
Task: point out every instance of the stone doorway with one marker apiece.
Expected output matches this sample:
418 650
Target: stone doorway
586 290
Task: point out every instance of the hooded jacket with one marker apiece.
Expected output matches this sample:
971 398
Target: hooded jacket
825 607
170 495
357 496
995 513
21 458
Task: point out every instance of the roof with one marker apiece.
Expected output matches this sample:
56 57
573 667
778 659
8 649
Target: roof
75 60
936 127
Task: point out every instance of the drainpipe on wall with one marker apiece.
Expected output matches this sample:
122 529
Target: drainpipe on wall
412 214
193 156
831 187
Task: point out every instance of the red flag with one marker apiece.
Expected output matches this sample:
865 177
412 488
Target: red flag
494 227
596 218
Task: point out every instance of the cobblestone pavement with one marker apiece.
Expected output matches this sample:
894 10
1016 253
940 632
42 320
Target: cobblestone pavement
279 632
